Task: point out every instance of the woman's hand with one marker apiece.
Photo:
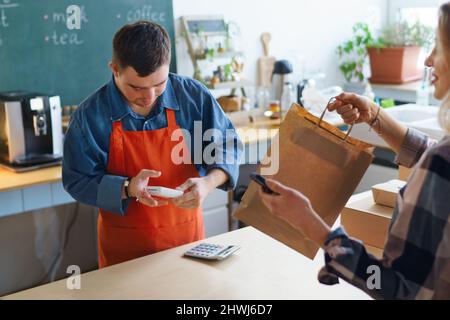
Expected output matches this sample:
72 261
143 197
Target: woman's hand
354 108
293 207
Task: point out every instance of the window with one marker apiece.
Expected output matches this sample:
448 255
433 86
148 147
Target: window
413 10
426 11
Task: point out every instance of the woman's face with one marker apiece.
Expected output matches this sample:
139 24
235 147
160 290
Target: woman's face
440 76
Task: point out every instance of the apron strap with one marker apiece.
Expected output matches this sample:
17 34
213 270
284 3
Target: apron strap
116 148
171 121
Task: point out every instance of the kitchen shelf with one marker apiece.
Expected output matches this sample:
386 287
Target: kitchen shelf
218 56
230 85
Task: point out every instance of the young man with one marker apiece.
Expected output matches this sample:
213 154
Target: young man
121 139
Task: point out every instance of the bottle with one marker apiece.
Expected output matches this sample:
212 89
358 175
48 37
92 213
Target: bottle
262 98
368 92
287 97
423 92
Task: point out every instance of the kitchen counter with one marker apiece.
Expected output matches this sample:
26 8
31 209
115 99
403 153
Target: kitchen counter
400 92
262 269
12 181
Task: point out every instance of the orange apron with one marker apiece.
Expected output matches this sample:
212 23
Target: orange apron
145 230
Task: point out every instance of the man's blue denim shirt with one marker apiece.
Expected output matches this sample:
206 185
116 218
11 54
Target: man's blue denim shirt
86 143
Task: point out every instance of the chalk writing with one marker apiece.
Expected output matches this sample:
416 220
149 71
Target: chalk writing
63 17
64 38
145 13
73 19
5 5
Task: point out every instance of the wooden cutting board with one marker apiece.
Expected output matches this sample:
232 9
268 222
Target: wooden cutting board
265 63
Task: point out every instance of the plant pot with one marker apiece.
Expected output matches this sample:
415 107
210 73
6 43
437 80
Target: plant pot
394 65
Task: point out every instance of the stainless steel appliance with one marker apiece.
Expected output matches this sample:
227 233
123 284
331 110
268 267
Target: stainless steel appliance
30 130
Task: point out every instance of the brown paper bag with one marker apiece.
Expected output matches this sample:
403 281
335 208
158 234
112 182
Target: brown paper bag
316 159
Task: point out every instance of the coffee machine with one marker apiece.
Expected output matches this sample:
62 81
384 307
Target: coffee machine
30 130
281 74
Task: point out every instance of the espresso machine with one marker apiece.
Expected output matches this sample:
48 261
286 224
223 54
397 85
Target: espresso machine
30 130
282 73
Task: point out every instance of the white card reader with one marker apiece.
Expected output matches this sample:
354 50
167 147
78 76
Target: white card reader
164 192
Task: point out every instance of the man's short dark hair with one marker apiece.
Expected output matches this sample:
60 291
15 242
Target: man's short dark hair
143 45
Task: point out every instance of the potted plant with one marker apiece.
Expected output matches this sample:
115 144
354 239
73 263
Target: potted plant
396 58
353 53
393 56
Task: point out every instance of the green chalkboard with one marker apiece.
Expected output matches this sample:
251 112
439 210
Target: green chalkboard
45 48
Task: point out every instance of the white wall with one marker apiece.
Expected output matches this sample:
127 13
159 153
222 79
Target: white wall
309 28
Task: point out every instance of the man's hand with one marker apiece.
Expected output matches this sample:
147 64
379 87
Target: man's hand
138 188
195 192
197 189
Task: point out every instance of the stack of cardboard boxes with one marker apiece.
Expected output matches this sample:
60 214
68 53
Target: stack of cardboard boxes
367 216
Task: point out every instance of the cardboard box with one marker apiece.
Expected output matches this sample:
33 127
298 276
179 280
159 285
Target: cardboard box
367 221
385 194
377 252
404 173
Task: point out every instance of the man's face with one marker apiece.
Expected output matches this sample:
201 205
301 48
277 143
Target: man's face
140 92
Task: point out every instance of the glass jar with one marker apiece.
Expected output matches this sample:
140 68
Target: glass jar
262 98
275 109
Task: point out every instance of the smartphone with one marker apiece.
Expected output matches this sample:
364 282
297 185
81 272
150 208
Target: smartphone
262 182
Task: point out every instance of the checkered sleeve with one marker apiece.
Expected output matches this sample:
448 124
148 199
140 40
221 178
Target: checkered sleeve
347 258
414 145
416 259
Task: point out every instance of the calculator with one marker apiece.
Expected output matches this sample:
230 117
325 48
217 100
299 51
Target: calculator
211 251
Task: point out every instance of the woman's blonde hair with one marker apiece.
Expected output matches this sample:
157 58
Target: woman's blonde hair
444 38
444 114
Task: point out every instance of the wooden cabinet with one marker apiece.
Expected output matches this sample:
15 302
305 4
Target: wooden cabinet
33 198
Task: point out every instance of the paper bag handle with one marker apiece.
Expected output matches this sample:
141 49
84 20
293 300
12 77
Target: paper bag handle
325 111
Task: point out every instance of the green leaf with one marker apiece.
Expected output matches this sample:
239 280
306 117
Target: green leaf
349 47
361 77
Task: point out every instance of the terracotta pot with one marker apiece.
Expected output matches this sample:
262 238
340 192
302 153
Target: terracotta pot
394 65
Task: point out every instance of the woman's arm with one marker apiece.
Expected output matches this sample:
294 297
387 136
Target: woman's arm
415 264
409 144
416 260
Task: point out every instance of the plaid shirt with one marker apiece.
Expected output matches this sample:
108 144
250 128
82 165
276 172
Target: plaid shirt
416 257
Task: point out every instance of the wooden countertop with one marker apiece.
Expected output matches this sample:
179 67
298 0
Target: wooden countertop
262 269
11 181
262 130
266 129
